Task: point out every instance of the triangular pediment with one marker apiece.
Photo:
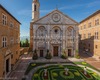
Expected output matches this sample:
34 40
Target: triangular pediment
55 17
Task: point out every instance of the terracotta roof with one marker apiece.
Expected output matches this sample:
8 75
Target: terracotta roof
95 13
9 13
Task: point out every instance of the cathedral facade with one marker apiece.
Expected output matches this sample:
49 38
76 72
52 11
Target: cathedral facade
55 32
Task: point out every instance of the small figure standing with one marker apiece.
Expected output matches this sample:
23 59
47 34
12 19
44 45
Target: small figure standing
45 72
85 69
66 71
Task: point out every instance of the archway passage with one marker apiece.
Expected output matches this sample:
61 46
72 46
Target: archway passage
55 50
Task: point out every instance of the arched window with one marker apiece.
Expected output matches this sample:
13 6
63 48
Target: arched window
70 36
70 32
34 7
41 31
56 33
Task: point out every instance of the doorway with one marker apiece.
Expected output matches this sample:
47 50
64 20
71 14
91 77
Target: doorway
41 53
69 52
7 65
55 50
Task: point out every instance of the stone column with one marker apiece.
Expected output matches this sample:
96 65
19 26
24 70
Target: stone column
48 45
48 36
66 41
77 38
34 37
63 37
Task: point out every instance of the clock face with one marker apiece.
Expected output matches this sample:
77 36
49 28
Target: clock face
56 17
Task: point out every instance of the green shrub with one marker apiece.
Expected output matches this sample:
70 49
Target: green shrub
48 56
36 75
77 73
76 51
35 56
61 66
77 55
33 64
55 74
64 56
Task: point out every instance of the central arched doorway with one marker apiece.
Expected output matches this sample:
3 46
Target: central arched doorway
55 50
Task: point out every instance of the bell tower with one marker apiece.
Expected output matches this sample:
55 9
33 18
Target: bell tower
35 10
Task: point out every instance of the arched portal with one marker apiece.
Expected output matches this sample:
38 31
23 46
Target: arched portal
41 40
56 41
70 40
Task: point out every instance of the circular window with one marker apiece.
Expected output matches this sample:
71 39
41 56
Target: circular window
56 30
56 17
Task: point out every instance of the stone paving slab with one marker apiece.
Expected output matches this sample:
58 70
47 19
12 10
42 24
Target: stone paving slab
90 60
95 64
57 59
21 68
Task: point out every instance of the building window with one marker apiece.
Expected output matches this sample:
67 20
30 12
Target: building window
96 46
84 36
96 35
81 27
84 26
4 42
4 19
11 24
89 25
97 22
89 35
34 7
81 36
56 31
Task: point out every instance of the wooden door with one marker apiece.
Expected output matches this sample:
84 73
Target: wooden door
55 50
69 52
41 53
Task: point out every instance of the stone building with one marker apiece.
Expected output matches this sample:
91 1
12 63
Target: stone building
55 32
89 30
9 41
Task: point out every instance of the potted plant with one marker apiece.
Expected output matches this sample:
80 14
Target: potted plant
35 56
48 55
64 55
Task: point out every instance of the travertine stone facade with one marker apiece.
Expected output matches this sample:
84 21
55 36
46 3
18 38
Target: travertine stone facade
9 41
55 32
89 30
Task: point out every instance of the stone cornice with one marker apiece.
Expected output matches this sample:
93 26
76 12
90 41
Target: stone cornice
54 24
